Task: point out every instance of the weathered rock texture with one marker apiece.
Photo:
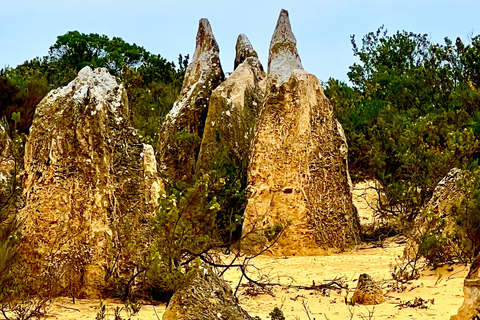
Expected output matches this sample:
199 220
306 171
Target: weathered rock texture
243 50
205 297
232 113
88 183
367 291
5 141
470 308
6 160
181 133
298 171
446 193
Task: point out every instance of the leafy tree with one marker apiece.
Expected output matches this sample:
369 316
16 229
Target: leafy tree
411 115
152 83
78 50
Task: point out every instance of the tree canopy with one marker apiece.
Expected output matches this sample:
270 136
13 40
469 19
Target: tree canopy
151 81
410 113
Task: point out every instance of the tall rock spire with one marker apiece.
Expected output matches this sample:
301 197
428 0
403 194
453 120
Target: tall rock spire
244 49
88 179
283 56
205 40
298 171
181 133
233 111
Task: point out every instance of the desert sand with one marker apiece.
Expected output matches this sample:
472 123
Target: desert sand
443 285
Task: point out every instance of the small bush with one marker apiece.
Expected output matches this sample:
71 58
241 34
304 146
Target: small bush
276 314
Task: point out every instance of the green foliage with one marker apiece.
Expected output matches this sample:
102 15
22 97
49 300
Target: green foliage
410 116
276 314
151 82
193 220
271 232
432 248
131 309
455 235
77 50
184 229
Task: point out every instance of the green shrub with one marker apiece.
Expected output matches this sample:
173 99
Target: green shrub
276 314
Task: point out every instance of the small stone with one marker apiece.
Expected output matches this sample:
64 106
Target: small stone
367 291
211 298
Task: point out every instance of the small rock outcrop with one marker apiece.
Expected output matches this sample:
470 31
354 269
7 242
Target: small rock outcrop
88 183
367 291
182 131
205 297
298 173
470 308
446 193
234 108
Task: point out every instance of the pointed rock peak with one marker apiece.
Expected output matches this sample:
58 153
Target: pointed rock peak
205 39
244 49
283 56
97 77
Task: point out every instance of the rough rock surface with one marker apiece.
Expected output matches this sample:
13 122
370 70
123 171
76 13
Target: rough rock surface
298 172
233 111
6 161
470 308
5 141
283 58
205 297
446 193
181 133
367 291
243 50
88 182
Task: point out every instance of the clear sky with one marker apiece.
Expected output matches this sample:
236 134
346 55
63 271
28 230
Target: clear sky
168 27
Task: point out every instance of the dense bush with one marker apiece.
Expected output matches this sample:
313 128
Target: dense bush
151 82
455 235
410 115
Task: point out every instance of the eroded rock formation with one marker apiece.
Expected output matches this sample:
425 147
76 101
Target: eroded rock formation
470 308
5 141
88 183
232 113
205 297
6 161
298 171
181 133
446 194
367 291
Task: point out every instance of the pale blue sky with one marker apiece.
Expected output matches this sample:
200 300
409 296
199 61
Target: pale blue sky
168 27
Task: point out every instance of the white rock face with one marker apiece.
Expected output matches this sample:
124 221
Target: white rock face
181 133
203 72
88 183
298 171
283 58
243 49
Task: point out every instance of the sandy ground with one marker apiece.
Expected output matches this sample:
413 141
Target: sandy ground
444 285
